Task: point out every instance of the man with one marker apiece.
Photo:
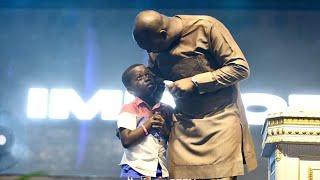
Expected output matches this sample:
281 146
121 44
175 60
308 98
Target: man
210 139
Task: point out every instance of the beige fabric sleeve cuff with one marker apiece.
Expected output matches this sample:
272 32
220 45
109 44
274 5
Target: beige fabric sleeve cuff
205 82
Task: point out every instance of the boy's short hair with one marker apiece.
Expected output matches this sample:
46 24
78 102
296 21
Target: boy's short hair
126 75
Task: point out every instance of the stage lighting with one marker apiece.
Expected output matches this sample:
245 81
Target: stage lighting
6 140
258 105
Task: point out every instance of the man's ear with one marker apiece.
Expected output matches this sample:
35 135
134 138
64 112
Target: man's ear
163 33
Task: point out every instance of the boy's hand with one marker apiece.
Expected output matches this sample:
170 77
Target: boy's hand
155 121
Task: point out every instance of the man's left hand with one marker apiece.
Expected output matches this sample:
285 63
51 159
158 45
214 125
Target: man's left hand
182 87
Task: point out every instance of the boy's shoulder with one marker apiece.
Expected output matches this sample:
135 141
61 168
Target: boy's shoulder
129 108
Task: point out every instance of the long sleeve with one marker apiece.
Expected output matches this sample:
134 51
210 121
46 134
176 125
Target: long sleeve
233 65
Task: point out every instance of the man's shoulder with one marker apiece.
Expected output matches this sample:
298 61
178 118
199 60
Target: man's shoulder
198 23
198 18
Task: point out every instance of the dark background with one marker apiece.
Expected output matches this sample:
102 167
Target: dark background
85 45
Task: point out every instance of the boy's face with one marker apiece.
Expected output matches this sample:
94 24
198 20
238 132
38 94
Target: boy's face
142 82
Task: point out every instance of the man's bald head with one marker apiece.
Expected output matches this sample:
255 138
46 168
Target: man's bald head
148 22
150 31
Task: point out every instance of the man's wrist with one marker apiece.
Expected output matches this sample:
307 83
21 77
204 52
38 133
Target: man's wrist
194 80
195 83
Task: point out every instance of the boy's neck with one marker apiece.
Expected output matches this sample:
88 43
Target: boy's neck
150 101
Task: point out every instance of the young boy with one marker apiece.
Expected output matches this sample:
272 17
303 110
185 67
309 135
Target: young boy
143 126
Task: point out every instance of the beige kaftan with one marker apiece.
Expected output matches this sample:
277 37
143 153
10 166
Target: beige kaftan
211 138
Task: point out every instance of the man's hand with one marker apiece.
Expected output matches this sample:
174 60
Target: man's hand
181 87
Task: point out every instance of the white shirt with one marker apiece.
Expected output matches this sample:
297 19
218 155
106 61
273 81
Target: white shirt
145 154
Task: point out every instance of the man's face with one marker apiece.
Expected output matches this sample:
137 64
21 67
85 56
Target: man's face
154 43
142 82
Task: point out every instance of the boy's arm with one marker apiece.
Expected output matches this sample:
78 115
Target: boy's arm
128 137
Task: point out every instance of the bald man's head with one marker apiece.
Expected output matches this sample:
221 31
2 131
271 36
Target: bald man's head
148 21
150 31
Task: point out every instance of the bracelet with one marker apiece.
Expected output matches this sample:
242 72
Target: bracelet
145 130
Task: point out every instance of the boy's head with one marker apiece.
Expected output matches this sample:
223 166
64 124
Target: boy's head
139 81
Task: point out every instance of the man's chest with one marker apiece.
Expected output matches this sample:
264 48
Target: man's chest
182 64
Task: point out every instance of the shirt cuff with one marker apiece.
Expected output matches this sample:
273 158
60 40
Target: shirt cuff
204 82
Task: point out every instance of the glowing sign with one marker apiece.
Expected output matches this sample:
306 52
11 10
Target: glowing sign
37 106
304 101
60 103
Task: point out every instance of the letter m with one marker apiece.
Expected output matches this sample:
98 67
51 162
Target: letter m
62 102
